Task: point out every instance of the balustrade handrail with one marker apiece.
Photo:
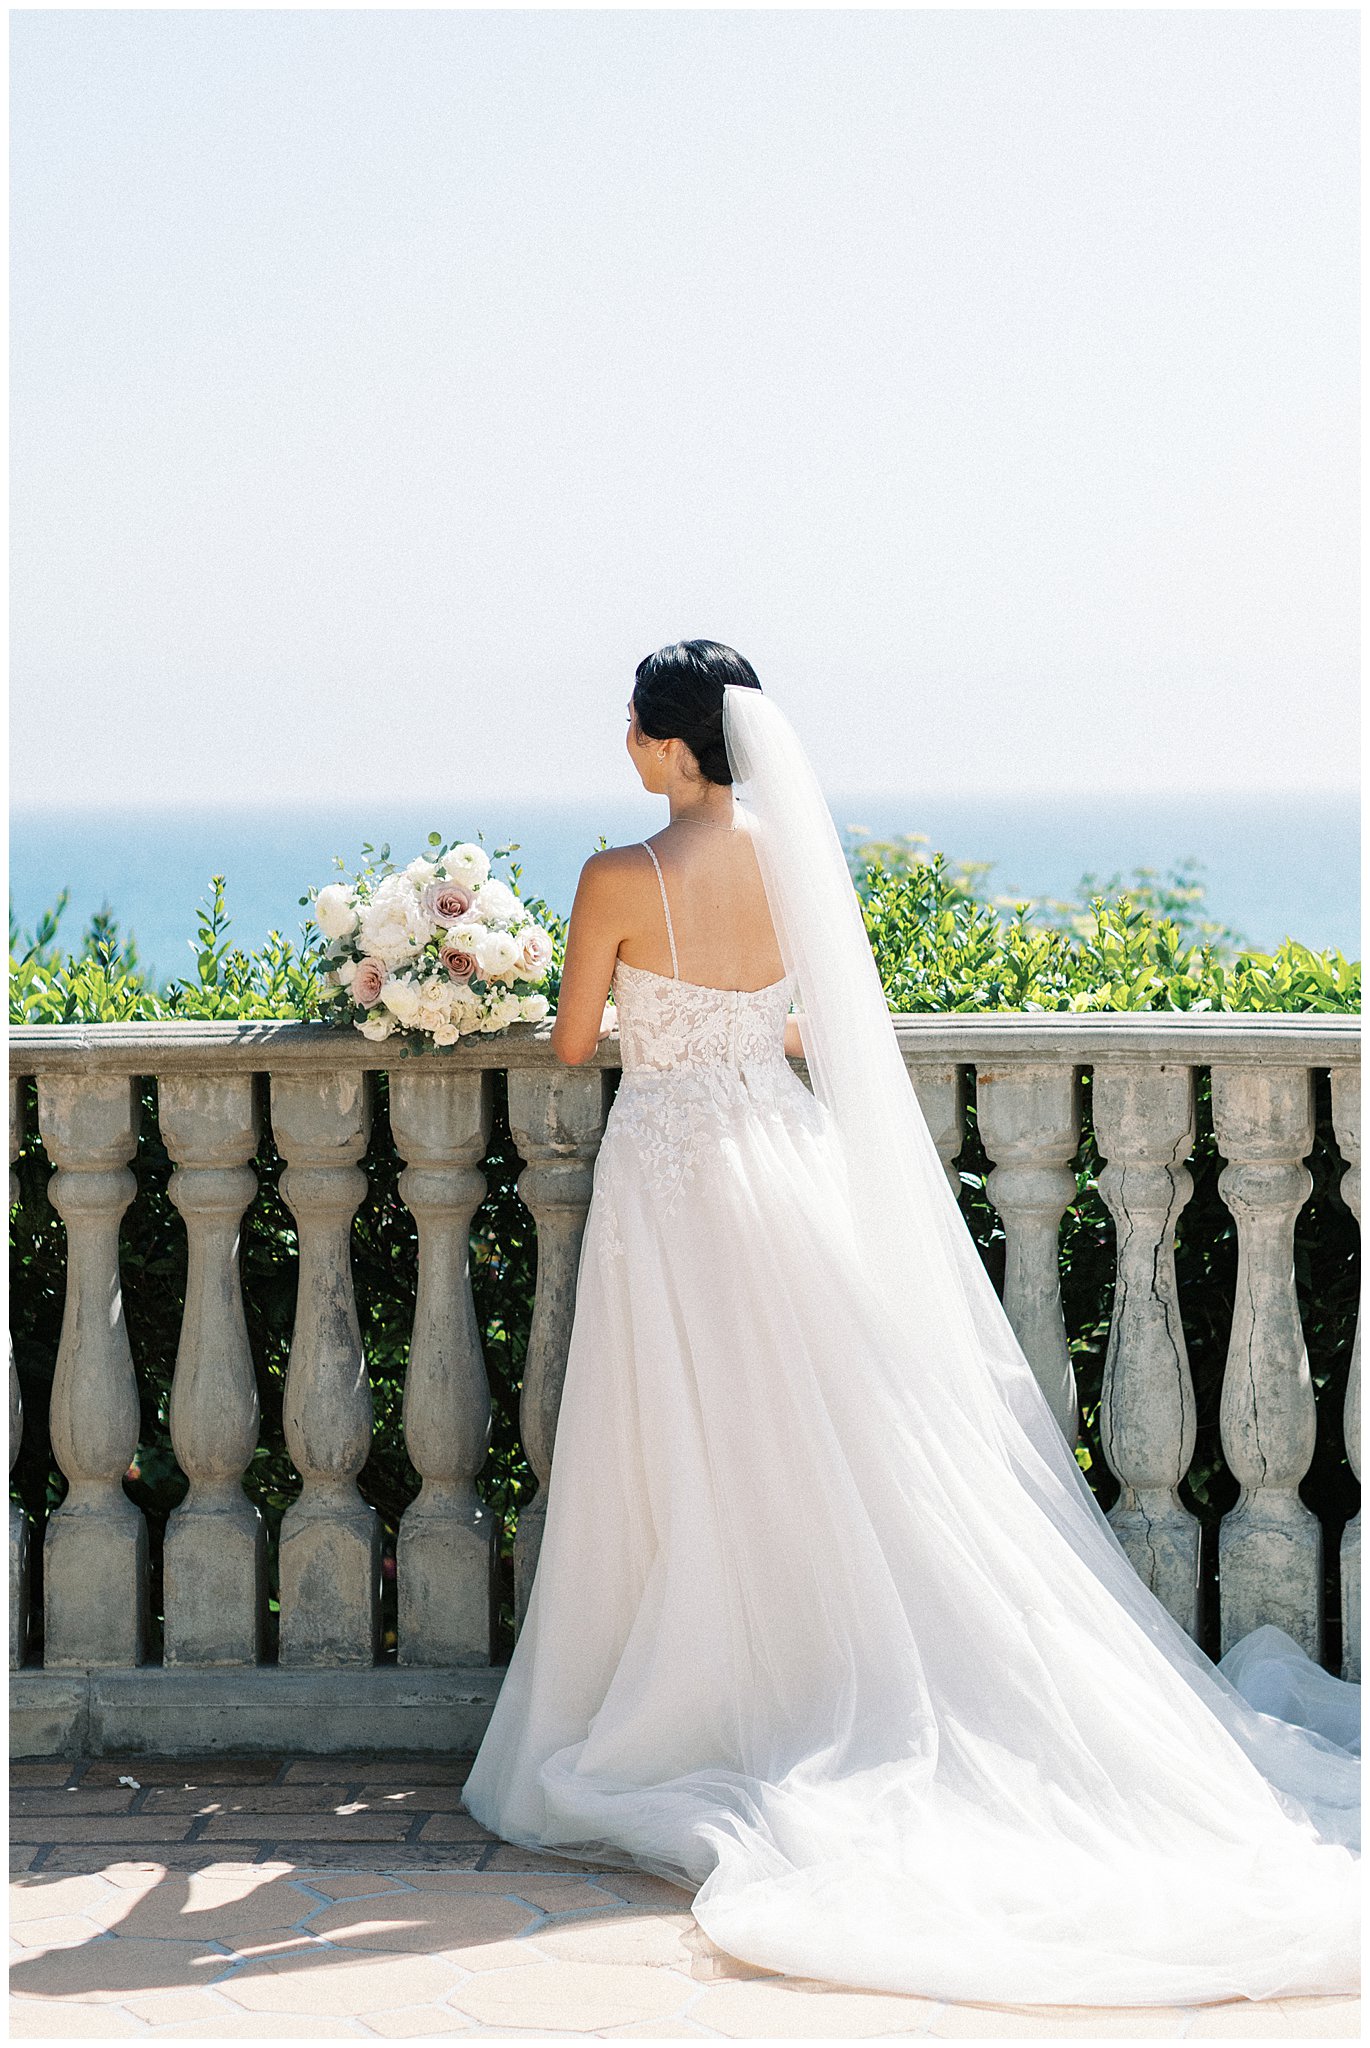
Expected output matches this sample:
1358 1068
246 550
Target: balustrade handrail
171 1045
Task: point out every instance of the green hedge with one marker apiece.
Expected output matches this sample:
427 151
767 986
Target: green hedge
941 944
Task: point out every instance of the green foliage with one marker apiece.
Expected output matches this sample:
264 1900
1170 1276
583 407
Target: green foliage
104 982
941 943
941 946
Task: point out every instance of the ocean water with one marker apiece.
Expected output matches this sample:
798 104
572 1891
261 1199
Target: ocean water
1272 866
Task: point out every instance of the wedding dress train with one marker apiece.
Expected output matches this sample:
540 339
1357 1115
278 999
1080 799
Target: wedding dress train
826 1620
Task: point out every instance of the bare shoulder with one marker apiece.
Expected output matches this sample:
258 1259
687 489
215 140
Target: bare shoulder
611 872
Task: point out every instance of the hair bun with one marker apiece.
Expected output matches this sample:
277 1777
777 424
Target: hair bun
678 694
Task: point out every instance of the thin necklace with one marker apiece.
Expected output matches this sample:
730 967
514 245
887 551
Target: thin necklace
704 822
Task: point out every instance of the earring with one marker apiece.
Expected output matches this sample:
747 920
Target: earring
662 755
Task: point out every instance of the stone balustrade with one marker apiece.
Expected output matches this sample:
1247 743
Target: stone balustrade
331 1687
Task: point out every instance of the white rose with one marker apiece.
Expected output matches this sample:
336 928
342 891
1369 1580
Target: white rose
501 955
421 872
468 864
347 973
335 910
505 1009
534 1008
428 1017
376 1027
496 903
445 1034
402 999
536 956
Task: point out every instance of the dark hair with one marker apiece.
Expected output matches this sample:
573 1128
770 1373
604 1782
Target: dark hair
678 695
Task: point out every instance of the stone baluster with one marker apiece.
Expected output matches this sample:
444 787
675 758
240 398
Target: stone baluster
446 1554
214 1563
940 1086
1144 1124
557 1121
1346 1124
95 1550
1269 1545
330 1539
1029 1118
19 1524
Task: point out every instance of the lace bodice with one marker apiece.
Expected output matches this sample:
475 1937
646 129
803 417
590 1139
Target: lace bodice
696 1062
664 1024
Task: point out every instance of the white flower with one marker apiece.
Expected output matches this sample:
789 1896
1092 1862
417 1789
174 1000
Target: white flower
536 956
469 937
504 1009
429 1017
376 1027
335 910
434 991
468 864
534 1008
445 1034
394 925
401 997
421 872
496 903
501 955
347 973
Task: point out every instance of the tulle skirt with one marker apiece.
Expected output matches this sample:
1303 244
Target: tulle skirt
801 1636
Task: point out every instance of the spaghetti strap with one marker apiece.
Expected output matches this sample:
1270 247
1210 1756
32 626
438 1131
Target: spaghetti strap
670 932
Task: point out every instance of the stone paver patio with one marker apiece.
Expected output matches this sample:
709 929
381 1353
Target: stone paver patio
350 1898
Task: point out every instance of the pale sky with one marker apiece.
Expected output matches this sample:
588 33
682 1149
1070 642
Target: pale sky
385 385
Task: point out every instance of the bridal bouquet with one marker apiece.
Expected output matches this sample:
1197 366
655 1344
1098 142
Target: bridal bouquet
437 950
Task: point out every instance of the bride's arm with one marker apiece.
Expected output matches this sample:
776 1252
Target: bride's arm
592 942
794 1043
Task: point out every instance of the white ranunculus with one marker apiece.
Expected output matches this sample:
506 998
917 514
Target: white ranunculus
445 1034
496 903
347 973
534 1008
468 864
501 955
401 997
421 872
394 924
469 937
335 910
376 1027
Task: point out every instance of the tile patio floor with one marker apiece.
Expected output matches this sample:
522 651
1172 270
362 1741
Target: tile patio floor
354 1899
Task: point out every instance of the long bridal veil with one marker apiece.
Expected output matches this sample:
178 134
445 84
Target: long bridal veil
1119 1754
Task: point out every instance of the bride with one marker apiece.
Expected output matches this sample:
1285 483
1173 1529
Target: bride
827 1621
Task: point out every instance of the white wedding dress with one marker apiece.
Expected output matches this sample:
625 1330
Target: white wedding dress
835 1630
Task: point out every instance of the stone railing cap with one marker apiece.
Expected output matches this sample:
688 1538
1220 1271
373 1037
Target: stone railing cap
1273 1038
